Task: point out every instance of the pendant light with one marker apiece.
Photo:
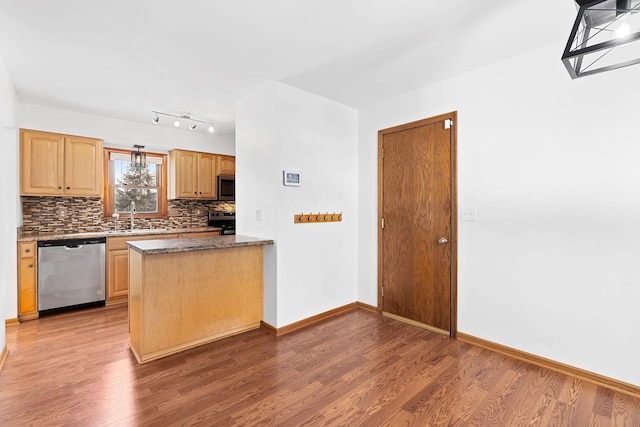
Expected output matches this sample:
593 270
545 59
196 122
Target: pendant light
604 37
138 158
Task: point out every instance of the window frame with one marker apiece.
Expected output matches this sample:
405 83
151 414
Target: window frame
161 178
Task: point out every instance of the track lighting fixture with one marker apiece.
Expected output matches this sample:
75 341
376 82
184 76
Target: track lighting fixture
182 116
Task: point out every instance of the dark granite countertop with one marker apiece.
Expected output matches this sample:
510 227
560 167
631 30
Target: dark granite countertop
159 246
32 237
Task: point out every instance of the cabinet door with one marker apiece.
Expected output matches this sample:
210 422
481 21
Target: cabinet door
118 265
185 172
41 163
226 165
27 288
207 177
82 166
27 281
117 276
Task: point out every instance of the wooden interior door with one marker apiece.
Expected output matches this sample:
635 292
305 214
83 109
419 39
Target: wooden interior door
417 236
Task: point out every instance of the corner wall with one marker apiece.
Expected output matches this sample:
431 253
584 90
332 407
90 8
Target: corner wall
9 195
312 267
551 265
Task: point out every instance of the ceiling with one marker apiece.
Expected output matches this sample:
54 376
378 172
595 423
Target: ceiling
123 58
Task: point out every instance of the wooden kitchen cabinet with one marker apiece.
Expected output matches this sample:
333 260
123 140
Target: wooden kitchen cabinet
117 276
199 234
118 261
226 165
27 281
53 164
118 265
192 175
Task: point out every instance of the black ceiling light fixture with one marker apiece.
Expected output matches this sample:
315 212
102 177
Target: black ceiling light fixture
604 37
138 158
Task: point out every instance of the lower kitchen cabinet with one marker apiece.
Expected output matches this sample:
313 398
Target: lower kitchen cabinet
118 265
27 281
118 262
117 276
117 270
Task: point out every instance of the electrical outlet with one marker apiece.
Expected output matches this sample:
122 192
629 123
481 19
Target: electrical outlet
62 212
198 212
258 214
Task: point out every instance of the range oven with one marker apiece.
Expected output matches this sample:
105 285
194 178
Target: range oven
223 219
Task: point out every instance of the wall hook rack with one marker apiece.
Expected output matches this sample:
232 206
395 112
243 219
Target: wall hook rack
304 218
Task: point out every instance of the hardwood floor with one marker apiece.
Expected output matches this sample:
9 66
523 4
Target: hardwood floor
357 368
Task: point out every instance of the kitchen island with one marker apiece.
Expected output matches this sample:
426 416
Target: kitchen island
188 292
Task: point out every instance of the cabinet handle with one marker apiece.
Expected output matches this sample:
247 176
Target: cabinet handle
27 250
68 188
30 265
59 188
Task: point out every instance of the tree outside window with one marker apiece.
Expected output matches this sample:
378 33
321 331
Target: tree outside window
144 186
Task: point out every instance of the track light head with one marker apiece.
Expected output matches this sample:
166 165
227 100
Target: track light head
192 126
156 119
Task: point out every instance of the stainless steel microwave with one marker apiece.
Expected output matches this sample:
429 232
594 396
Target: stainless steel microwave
226 187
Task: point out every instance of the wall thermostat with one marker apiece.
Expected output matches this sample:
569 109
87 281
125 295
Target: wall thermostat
291 178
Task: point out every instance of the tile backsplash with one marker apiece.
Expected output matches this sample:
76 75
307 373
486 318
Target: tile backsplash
85 214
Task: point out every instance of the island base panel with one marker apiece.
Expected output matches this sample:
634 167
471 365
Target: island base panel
183 299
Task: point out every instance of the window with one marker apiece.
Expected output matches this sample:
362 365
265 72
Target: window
126 184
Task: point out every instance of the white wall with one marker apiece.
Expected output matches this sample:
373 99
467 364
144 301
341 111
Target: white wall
551 265
315 264
8 194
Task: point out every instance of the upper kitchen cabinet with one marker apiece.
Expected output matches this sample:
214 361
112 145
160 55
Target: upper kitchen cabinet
192 175
226 165
53 164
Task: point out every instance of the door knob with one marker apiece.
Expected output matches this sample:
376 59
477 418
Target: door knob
443 241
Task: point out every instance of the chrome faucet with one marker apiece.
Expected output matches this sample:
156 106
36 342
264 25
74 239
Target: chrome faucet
133 211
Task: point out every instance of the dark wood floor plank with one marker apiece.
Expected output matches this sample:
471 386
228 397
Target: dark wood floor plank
357 368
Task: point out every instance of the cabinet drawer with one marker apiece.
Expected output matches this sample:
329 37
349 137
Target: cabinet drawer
199 234
27 250
118 243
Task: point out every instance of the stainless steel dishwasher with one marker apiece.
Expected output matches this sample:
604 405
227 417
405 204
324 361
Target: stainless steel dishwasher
71 273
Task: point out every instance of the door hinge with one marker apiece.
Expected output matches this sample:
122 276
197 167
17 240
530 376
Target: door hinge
448 123
383 152
382 223
381 291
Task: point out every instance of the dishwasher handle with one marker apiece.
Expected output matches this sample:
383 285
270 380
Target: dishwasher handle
71 243
72 247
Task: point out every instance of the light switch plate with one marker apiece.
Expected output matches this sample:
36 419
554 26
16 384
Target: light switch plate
469 214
